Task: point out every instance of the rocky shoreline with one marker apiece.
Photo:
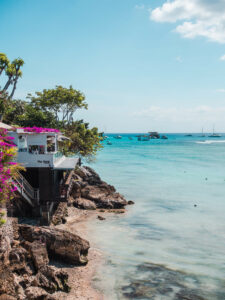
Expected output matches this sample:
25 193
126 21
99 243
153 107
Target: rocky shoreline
54 262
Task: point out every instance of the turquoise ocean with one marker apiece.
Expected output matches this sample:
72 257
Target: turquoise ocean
171 243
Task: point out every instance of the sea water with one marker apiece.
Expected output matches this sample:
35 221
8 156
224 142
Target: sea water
171 243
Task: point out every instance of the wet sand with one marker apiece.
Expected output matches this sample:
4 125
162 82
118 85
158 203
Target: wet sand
81 277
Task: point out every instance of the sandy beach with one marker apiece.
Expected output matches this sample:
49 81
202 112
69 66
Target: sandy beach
80 277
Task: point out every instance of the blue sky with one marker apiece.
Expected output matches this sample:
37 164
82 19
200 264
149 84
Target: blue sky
143 65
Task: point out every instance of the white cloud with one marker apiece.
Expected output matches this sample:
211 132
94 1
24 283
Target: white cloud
205 18
221 90
222 57
139 6
199 114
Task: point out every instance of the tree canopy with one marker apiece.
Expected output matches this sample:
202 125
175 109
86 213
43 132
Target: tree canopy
55 108
83 140
11 72
61 101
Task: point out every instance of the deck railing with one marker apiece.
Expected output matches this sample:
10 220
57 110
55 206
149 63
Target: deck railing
26 189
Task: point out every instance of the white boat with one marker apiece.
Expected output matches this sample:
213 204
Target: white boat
118 137
203 135
215 135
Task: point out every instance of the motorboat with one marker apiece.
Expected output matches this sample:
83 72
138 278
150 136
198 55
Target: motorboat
118 137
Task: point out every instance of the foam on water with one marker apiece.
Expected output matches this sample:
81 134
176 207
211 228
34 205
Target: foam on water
210 142
177 221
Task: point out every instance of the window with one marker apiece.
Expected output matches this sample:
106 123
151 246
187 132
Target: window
51 143
22 143
36 149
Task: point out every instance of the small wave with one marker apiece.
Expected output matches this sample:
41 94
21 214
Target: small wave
209 142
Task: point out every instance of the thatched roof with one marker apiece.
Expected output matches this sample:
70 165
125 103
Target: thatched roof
5 126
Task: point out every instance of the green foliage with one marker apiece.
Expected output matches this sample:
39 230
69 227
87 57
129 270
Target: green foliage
4 62
55 109
12 72
84 141
62 102
12 110
35 117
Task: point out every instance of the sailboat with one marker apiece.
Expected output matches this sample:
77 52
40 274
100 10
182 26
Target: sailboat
214 135
203 135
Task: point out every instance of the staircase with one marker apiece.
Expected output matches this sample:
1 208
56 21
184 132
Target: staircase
30 194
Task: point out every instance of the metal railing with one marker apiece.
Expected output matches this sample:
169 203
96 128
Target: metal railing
26 188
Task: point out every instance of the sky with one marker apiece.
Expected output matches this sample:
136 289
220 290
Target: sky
143 65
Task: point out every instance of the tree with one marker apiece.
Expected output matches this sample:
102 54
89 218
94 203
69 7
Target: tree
12 72
55 108
62 102
4 62
83 141
13 110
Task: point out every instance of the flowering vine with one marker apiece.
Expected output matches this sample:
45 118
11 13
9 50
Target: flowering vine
8 168
39 129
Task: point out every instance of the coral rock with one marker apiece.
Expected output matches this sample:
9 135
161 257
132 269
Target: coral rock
60 243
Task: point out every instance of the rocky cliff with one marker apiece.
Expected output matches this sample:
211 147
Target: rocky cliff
90 192
24 260
25 250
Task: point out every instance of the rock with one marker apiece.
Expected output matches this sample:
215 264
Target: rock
101 218
76 189
18 258
7 297
84 204
24 270
60 214
88 174
103 197
51 279
8 284
39 254
89 186
130 202
36 293
60 243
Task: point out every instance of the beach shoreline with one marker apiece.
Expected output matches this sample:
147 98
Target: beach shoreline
81 277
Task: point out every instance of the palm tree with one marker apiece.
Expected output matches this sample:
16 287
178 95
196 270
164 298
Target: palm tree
4 62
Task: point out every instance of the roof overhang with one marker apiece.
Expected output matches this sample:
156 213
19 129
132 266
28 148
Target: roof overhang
6 126
67 163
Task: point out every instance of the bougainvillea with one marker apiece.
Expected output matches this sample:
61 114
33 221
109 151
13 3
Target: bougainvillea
8 168
38 129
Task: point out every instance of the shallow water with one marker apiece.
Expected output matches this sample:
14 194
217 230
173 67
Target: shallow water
177 222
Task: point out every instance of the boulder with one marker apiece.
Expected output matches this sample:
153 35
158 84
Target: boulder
60 214
36 293
7 297
18 258
60 243
103 196
88 174
8 283
89 186
51 280
84 204
39 254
